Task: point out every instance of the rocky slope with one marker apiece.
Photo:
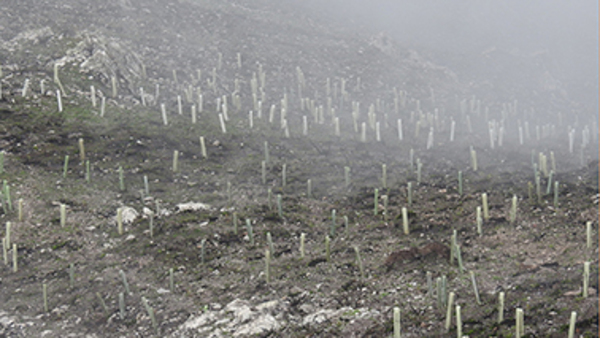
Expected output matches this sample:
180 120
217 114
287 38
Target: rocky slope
195 274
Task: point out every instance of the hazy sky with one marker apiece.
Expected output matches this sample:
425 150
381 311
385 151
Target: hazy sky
474 23
566 29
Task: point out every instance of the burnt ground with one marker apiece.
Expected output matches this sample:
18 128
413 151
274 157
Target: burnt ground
537 260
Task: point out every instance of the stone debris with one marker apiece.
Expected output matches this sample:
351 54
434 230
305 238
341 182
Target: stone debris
105 57
147 212
32 36
129 215
25 326
318 317
192 206
6 320
240 319
237 319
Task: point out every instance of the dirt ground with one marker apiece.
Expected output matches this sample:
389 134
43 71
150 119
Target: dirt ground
537 260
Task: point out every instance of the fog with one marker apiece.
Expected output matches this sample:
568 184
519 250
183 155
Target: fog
558 36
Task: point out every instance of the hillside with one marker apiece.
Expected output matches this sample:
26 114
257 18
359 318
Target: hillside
316 133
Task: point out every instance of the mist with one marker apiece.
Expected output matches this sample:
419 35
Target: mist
488 40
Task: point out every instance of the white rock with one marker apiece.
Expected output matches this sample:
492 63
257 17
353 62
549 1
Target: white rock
222 321
147 212
5 320
60 311
192 206
263 324
241 311
129 215
33 36
236 319
317 317
196 323
306 308
269 307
